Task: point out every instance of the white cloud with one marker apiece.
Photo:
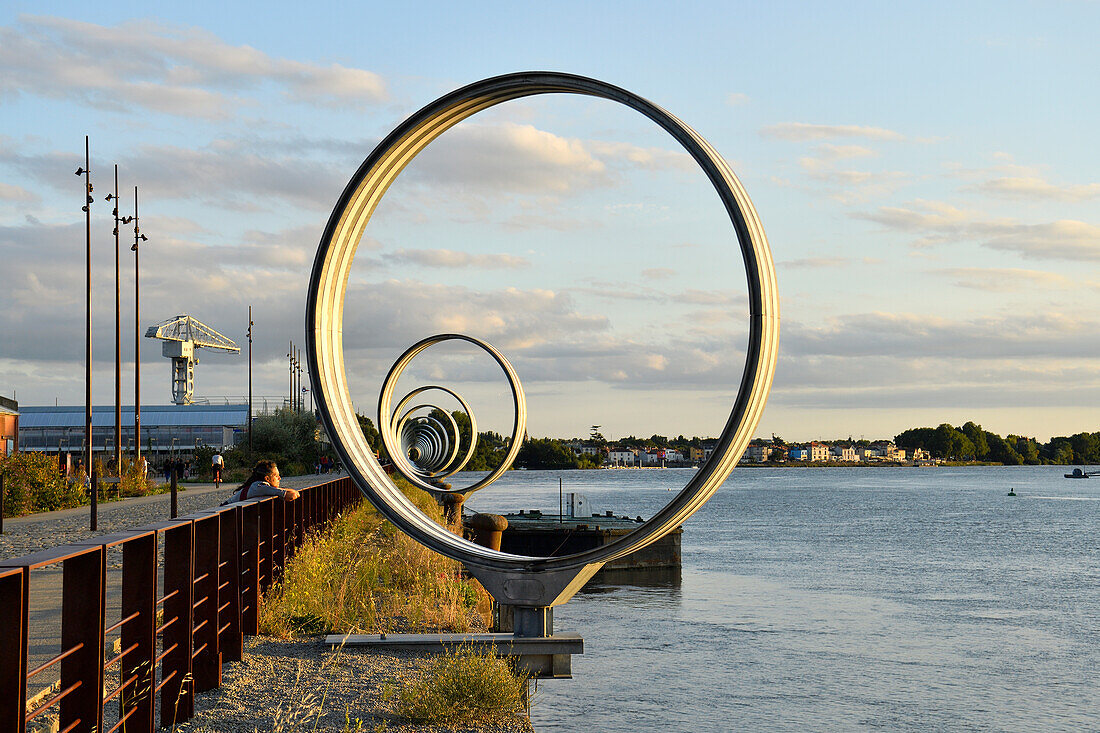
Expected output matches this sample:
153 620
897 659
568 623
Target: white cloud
178 70
229 173
736 98
635 156
452 259
1005 279
803 131
848 186
1033 188
18 194
830 152
511 157
938 222
815 263
908 336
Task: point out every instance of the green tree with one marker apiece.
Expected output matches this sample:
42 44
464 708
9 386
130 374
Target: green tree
974 432
1086 447
488 453
373 437
915 438
289 438
545 453
1058 451
1027 448
1001 451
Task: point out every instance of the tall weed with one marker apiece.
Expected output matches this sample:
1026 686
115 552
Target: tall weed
362 575
462 685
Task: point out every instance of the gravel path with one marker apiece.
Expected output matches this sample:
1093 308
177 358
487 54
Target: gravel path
302 685
24 535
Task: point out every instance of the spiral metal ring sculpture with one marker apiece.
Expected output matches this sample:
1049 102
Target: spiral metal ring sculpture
516 579
436 445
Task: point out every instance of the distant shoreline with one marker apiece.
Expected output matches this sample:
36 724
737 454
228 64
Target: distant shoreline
833 464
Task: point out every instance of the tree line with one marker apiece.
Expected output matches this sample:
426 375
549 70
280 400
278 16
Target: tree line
969 442
972 443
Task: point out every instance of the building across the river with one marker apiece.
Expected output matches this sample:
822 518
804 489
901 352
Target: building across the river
165 429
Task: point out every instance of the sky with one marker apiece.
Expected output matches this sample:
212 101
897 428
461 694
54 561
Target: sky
926 175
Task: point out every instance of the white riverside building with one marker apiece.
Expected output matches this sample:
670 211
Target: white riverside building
164 428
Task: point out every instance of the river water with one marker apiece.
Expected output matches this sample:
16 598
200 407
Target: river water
839 599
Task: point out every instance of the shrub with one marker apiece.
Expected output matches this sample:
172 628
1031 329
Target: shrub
463 685
33 483
131 482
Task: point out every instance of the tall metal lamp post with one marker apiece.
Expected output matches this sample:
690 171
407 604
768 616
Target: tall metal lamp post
290 356
298 393
118 337
87 209
138 237
250 324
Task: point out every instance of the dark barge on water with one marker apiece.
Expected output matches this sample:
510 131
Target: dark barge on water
577 529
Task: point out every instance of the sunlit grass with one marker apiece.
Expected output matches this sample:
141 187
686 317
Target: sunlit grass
361 575
462 686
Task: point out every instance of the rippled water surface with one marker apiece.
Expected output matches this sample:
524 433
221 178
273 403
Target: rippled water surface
840 599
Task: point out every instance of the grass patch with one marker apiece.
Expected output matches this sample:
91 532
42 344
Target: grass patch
362 575
462 686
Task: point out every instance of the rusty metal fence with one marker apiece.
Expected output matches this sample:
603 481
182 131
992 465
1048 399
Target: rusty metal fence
186 596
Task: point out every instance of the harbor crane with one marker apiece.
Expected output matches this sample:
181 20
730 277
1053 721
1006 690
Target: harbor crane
182 335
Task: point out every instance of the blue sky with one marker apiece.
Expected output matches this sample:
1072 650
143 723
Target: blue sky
926 174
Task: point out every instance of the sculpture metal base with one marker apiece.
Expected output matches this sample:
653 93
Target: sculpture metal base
541 657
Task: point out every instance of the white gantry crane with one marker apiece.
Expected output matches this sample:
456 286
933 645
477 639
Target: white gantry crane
182 335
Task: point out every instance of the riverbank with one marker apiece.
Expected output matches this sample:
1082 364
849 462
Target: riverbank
359 575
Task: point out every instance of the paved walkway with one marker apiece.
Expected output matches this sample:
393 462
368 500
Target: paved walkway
24 535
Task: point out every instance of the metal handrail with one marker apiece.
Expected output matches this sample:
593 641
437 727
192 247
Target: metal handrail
253 540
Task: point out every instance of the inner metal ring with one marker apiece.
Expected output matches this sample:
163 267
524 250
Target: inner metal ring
454 467
519 402
328 286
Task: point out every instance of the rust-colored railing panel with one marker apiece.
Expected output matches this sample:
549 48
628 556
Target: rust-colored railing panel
139 604
13 669
206 664
250 533
216 565
83 598
230 641
176 689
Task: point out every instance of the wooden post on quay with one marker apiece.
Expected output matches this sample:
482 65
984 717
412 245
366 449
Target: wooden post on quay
94 483
175 480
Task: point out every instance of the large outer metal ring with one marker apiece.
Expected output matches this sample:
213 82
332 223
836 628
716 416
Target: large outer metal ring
328 285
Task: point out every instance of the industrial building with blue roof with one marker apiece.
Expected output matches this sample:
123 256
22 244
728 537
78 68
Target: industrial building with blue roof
164 428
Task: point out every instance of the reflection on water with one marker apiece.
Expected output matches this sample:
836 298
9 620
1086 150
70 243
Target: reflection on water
842 599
